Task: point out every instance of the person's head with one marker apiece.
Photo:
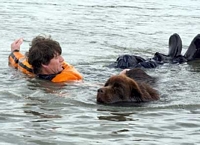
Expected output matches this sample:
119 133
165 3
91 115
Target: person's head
45 55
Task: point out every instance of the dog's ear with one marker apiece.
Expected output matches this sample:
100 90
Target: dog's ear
136 93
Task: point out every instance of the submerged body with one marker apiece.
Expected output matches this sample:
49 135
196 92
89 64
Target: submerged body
174 56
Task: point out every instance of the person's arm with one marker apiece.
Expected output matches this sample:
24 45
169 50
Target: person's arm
15 54
15 46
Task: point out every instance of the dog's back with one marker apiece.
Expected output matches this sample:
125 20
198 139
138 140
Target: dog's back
140 75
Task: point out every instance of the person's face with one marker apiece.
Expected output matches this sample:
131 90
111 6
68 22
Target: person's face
54 66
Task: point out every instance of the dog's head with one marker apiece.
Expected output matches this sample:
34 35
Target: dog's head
119 88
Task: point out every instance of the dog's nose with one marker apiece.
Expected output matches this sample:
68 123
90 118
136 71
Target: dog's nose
100 91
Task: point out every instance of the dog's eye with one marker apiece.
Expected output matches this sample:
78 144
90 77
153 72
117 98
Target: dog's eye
116 85
118 89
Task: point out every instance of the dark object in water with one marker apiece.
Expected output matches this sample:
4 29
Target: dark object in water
174 55
132 87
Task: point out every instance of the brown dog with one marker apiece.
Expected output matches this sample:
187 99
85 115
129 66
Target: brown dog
134 86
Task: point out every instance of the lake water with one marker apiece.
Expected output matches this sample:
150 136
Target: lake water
93 34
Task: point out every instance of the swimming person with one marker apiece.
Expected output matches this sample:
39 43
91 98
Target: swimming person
174 55
43 60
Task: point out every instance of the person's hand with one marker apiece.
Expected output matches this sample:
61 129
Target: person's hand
16 44
124 71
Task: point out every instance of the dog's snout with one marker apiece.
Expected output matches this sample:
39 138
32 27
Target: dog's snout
100 95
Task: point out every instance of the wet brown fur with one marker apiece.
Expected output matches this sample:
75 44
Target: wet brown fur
134 86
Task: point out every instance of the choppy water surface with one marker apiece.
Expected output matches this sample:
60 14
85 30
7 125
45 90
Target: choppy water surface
93 34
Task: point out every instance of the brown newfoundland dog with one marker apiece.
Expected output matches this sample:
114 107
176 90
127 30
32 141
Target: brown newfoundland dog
133 86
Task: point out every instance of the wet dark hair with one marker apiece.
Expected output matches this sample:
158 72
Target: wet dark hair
42 50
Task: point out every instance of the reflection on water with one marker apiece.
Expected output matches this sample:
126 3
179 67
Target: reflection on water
194 66
116 116
92 35
42 115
